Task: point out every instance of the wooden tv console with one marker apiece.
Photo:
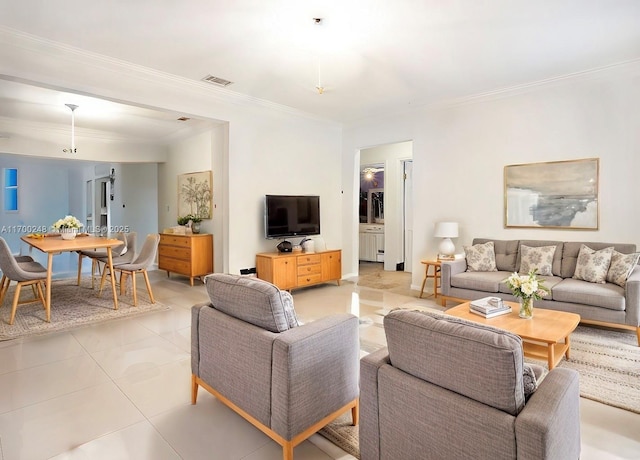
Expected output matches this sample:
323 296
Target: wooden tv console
290 270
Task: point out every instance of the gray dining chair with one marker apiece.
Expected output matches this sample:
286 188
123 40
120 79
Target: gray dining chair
25 272
121 254
145 259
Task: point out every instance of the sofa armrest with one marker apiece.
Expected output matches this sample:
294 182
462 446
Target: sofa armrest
447 270
369 428
632 298
549 425
314 372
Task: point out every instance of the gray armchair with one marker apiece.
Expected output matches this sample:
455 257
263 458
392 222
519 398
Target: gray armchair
25 272
449 388
249 352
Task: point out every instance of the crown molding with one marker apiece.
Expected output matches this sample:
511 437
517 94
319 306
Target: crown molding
48 48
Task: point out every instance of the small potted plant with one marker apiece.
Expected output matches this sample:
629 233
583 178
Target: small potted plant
195 223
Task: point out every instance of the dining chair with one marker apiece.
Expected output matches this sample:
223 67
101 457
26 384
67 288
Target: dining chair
146 258
25 273
120 254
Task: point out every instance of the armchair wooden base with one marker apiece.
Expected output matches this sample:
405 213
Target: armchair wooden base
287 445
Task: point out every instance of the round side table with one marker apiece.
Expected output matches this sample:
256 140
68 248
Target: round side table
435 276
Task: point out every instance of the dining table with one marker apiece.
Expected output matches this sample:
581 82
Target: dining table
52 244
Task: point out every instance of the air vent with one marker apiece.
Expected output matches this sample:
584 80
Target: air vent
216 80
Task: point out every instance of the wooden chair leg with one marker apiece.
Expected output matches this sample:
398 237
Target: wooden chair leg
134 288
102 278
194 389
146 280
4 285
355 414
14 306
287 450
80 255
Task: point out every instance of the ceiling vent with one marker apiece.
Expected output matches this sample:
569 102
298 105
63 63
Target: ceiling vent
216 80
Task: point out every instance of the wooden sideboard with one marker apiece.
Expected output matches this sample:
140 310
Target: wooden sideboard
292 270
188 255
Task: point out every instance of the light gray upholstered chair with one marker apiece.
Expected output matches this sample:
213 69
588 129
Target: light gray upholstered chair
139 265
249 352
449 388
26 272
121 254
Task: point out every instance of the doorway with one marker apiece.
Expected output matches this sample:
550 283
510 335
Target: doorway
385 230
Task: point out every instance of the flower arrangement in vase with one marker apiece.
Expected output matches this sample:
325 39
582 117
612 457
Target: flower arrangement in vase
527 288
68 227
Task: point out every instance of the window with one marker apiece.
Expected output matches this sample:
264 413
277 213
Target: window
10 189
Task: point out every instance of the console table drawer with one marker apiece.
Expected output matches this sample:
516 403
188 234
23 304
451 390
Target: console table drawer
308 259
175 252
313 269
307 280
175 240
175 265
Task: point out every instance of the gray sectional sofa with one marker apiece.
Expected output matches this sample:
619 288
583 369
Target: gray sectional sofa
607 304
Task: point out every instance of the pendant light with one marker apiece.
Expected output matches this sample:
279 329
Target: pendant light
73 107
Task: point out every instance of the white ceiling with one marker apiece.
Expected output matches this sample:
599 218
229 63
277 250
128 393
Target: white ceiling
373 57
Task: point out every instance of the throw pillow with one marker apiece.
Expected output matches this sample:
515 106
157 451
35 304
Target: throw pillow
539 259
481 257
593 265
621 267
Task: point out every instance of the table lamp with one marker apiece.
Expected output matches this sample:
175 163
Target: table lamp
446 231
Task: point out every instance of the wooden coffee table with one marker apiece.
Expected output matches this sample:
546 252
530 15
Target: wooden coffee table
545 336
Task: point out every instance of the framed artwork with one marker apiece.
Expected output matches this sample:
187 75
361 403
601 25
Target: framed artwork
195 194
557 194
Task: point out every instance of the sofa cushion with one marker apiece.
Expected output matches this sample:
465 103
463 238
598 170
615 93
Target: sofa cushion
571 249
472 359
609 295
621 267
539 259
481 257
252 300
593 265
479 281
506 252
556 267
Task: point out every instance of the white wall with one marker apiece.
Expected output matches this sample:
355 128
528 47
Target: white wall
268 148
460 152
202 152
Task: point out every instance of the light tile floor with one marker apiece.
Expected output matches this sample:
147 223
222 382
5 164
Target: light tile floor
121 390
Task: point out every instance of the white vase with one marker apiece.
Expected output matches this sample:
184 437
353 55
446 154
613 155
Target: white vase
68 233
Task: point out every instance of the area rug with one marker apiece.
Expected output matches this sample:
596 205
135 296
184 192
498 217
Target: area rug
71 306
608 362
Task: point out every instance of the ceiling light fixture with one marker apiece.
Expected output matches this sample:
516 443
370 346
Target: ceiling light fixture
73 107
319 87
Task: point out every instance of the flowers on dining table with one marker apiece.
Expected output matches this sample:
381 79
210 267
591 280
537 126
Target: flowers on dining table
527 286
67 222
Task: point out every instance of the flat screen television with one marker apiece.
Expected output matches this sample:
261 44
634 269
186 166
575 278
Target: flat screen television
291 215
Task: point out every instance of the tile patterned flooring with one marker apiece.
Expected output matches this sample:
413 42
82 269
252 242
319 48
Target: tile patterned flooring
121 390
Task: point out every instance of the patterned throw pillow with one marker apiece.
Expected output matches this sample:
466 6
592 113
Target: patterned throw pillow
621 267
539 259
481 257
593 265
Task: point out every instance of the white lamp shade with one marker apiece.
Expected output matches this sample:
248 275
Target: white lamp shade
446 230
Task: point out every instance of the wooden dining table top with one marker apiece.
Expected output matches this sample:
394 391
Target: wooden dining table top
55 243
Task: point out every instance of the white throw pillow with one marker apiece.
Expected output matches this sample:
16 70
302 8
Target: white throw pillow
593 265
539 259
481 257
621 267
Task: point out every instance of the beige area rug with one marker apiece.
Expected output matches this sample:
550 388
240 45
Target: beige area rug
608 363
71 306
